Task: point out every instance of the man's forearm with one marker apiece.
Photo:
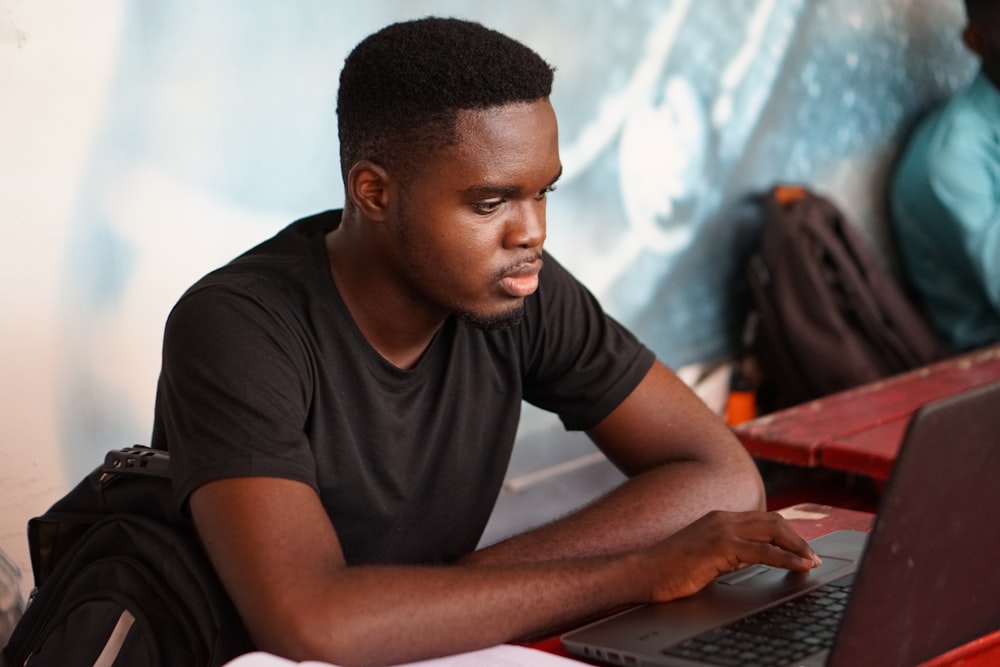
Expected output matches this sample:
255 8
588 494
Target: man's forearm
282 565
388 615
645 509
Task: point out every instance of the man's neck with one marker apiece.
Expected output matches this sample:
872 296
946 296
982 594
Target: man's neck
396 327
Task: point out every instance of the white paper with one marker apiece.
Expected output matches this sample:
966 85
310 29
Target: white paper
505 655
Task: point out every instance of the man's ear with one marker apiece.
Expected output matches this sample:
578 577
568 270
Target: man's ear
972 39
369 187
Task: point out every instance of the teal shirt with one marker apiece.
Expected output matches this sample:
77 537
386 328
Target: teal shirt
945 201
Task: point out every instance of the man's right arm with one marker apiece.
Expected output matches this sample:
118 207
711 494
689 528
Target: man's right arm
280 559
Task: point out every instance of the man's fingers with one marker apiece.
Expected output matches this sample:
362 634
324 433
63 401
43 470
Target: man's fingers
777 556
784 537
720 542
771 529
766 537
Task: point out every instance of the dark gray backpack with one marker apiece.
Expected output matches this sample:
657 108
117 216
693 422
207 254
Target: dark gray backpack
121 578
824 315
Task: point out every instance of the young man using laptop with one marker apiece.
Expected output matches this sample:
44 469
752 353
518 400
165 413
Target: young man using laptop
340 402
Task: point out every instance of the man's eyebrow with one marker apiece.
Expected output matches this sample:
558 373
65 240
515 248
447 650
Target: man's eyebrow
487 190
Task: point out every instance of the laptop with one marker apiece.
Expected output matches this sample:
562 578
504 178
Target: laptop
925 580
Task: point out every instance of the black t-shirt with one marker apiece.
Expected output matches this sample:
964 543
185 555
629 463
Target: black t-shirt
266 374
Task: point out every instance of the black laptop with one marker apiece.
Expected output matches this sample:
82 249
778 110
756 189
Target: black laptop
925 580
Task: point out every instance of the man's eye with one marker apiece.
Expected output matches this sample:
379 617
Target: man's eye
486 207
542 193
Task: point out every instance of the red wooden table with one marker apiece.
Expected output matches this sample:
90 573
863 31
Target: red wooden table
860 430
810 521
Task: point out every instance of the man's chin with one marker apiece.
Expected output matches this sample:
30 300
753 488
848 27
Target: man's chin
494 321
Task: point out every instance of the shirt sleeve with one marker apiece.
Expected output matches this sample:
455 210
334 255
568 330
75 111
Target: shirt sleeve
233 393
578 361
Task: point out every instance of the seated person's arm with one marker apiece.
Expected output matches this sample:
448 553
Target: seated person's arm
682 460
281 561
980 219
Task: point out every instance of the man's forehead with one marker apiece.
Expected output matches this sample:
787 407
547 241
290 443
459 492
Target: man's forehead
505 122
508 144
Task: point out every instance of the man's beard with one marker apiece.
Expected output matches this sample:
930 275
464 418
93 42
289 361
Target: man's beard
494 321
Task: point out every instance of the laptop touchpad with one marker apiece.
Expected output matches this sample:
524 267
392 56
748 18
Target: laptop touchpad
737 577
754 574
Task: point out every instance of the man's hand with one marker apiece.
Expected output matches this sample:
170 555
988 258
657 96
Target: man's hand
720 542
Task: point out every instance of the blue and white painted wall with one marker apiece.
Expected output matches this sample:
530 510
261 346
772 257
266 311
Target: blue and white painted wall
143 143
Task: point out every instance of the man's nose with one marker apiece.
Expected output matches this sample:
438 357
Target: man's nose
526 229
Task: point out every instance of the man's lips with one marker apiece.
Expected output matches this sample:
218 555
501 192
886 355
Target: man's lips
522 280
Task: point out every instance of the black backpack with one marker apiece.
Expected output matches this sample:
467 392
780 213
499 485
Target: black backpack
824 316
121 578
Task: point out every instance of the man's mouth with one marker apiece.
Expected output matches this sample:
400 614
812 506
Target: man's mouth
522 280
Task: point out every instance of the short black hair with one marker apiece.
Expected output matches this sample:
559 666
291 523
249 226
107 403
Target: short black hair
402 87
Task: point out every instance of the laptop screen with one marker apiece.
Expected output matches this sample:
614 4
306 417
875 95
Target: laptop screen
929 580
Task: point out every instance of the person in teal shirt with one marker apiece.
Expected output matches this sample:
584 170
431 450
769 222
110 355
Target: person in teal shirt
945 199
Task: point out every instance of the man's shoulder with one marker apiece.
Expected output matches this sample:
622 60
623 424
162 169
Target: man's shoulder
964 124
953 143
286 250
284 269
554 273
560 295
289 243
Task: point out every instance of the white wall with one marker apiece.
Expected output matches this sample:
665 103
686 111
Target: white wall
55 62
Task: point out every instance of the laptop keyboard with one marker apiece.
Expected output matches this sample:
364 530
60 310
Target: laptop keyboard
776 636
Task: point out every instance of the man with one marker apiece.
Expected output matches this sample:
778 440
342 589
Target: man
340 403
945 199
